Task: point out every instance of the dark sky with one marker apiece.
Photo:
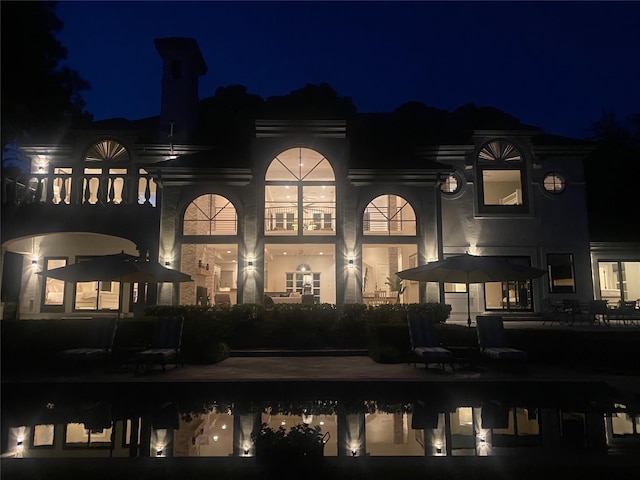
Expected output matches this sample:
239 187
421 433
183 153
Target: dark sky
555 65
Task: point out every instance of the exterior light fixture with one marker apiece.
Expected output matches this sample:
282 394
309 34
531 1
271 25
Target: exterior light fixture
250 264
167 262
438 449
350 262
215 438
34 261
40 168
354 452
159 452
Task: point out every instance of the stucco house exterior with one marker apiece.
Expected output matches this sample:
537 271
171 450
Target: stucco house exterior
299 208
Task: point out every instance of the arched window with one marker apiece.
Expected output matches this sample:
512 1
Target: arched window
105 158
300 194
389 215
502 178
210 214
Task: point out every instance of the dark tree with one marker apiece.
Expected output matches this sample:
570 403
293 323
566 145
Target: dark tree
611 173
40 96
311 101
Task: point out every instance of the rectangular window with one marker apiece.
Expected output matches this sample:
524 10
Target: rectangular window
561 273
129 430
76 435
455 288
619 281
502 187
510 296
43 435
54 288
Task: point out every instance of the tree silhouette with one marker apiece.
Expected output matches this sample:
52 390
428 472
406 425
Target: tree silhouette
611 173
40 96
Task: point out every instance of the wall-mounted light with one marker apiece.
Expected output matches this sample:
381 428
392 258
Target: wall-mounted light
245 450
250 264
438 448
167 262
40 168
354 452
350 262
159 452
34 261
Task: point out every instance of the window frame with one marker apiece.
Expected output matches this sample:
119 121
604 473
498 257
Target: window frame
558 289
43 294
501 162
292 220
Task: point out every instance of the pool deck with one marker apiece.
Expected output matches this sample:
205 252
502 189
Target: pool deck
337 366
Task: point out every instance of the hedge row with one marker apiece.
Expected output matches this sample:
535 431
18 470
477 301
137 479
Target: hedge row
209 332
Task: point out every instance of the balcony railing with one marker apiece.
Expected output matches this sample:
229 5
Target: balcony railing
88 189
285 221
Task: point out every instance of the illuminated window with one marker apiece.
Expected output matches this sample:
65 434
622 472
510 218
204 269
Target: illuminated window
54 288
43 435
501 174
561 275
76 435
451 184
210 214
553 183
389 215
300 194
107 151
455 288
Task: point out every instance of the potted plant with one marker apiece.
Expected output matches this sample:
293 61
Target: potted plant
396 284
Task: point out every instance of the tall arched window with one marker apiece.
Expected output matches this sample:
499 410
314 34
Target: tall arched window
210 214
389 215
300 194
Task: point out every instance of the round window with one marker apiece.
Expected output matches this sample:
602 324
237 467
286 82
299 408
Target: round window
451 184
553 182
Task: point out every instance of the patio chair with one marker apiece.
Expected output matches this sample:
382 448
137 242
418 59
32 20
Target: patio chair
98 344
424 341
599 311
492 340
165 347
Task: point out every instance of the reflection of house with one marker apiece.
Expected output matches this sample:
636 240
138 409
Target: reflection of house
331 206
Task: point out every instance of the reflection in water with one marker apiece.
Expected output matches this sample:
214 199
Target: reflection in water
442 424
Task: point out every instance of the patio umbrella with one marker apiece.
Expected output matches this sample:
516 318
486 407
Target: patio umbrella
471 269
120 267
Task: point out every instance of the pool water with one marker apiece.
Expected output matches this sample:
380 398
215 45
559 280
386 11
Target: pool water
344 419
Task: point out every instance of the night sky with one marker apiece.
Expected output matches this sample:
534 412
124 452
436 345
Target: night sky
555 65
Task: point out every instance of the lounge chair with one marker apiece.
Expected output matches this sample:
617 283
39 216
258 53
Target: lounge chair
424 341
165 347
492 340
98 344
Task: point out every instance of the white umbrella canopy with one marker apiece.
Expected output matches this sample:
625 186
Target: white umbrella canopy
471 269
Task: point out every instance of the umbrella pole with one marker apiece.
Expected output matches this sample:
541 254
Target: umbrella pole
468 306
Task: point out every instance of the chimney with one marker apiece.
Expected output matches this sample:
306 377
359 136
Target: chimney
183 64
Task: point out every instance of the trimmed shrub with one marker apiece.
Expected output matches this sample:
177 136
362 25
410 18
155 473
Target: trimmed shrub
389 343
